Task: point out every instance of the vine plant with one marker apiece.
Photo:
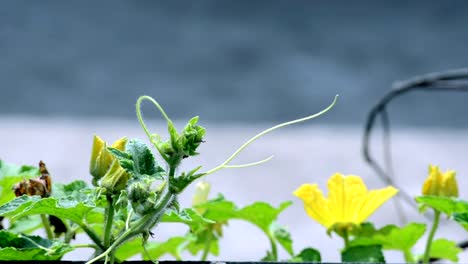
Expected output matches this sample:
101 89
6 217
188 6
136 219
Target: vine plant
132 193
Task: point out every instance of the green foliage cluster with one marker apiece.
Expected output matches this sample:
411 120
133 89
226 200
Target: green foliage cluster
121 209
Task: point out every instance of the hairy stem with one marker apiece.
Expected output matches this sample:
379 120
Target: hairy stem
141 225
109 219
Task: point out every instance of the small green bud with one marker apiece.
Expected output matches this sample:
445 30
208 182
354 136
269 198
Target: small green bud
145 207
115 179
192 137
138 193
202 190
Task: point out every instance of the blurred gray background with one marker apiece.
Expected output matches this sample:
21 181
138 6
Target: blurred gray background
69 69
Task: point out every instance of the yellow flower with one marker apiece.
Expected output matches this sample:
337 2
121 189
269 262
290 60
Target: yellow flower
440 184
348 204
101 158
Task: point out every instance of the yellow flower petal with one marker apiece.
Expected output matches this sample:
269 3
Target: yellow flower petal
440 184
374 200
348 202
315 204
120 144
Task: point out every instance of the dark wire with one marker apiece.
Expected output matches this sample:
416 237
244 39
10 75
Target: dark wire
454 80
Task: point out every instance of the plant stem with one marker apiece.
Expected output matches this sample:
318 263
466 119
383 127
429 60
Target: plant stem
207 248
94 237
346 238
85 246
109 219
172 170
435 224
274 248
69 234
46 224
142 224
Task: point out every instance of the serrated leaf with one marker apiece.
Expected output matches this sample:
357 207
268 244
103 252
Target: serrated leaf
307 255
65 208
363 254
447 205
445 249
22 247
137 159
187 216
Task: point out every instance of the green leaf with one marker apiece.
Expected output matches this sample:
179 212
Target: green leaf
137 159
173 246
363 254
77 189
10 175
445 249
199 242
26 224
462 219
65 208
187 216
6 185
307 255
22 247
392 237
262 214
447 205
7 170
270 257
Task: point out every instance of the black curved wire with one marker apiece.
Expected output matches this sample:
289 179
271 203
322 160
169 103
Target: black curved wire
453 80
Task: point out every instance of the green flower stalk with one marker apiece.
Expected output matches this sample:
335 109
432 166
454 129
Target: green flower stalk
442 185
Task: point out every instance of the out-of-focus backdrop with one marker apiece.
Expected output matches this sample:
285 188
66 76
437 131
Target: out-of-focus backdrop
71 69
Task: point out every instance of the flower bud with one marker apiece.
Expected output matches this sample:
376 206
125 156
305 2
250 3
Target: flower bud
115 179
440 184
101 158
202 190
138 193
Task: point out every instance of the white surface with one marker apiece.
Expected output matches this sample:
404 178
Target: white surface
302 154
